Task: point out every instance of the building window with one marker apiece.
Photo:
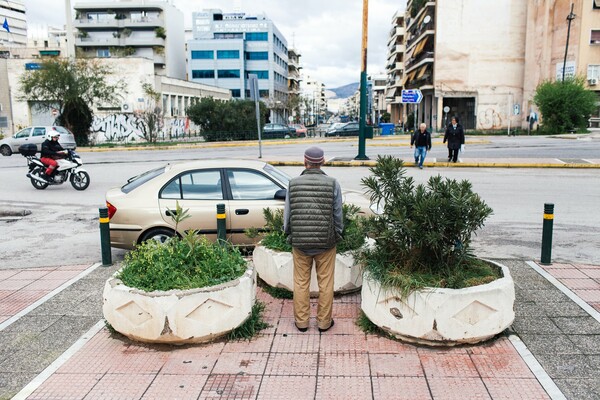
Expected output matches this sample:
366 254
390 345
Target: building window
263 93
228 35
228 54
257 55
235 93
595 38
596 4
593 72
203 54
203 74
257 36
228 73
102 53
259 74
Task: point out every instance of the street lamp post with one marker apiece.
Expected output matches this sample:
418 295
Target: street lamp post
570 18
363 86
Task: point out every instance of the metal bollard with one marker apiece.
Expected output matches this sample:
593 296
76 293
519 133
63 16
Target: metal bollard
547 234
221 224
105 237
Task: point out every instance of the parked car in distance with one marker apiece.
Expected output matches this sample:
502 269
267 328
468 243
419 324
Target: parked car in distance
347 129
301 130
140 210
277 131
36 135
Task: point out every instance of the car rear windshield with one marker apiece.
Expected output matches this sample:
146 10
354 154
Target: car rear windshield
140 179
61 130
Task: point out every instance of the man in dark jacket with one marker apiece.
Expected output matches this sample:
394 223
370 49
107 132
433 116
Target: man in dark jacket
313 222
455 135
51 151
422 141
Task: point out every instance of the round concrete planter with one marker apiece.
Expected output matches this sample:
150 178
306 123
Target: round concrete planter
276 268
179 316
442 317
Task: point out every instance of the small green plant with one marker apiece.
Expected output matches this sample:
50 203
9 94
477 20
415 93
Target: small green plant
367 326
160 32
276 292
254 324
423 236
353 235
182 263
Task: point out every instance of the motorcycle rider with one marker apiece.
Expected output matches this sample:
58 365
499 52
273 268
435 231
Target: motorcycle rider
51 151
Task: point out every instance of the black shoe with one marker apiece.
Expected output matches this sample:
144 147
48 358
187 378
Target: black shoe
326 329
301 329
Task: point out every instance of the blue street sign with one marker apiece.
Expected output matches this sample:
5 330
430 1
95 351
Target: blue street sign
412 96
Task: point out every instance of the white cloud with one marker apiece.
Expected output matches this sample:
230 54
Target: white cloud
326 32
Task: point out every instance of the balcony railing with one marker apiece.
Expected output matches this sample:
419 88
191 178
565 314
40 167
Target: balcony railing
424 55
118 23
419 32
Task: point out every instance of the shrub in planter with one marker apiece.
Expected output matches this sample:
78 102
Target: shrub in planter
185 290
422 250
273 256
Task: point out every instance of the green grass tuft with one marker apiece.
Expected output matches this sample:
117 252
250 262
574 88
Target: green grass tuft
254 324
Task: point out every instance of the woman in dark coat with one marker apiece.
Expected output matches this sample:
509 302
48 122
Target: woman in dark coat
455 135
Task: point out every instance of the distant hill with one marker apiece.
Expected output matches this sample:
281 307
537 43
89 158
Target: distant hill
343 92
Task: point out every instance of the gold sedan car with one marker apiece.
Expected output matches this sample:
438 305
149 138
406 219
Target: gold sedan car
139 210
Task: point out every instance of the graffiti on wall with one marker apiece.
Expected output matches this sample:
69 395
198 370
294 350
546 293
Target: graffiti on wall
129 127
489 119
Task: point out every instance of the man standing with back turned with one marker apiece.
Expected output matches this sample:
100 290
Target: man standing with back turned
313 222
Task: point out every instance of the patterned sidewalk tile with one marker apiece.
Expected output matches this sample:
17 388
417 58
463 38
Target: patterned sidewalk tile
262 343
501 366
296 343
343 387
121 386
344 364
448 365
30 274
458 388
287 387
497 346
64 386
591 273
378 344
175 387
587 283
388 365
513 389
241 363
589 296
239 387
188 363
292 364
400 388
570 273
343 343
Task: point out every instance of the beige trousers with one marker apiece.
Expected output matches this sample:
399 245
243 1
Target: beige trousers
325 266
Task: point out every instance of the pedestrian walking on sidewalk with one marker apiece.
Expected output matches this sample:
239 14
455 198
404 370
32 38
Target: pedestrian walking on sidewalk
455 136
422 141
313 222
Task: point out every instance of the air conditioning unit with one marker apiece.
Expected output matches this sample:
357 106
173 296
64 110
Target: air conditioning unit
593 81
126 107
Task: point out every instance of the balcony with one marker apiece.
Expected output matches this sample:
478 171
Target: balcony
113 23
427 29
424 57
96 42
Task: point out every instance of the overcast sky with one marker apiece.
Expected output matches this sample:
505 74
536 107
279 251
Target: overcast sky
326 32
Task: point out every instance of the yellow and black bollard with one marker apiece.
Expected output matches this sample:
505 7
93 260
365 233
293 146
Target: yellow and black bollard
221 224
105 237
547 234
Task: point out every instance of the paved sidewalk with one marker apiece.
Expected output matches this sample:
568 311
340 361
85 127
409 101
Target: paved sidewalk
283 363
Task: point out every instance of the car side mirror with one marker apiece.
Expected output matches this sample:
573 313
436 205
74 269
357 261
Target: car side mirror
280 194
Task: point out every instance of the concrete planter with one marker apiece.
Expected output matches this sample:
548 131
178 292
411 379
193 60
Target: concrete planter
442 317
276 268
179 316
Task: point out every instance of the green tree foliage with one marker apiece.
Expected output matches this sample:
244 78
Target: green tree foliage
152 115
227 120
74 86
564 105
424 230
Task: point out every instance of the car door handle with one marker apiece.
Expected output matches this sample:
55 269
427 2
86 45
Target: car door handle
169 213
242 211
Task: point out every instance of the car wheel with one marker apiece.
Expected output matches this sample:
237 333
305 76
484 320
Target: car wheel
161 235
5 150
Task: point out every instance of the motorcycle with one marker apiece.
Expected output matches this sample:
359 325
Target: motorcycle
69 169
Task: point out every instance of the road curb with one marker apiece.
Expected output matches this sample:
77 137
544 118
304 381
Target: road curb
371 163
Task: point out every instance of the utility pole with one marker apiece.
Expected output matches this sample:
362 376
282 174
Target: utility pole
570 18
363 86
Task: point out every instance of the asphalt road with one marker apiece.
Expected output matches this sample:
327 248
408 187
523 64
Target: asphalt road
63 225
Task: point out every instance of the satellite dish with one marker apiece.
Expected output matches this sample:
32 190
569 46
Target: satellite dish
426 20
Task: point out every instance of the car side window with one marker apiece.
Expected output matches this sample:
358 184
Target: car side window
40 131
201 185
22 133
251 185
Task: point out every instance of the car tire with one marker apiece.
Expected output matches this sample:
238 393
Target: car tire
5 150
161 235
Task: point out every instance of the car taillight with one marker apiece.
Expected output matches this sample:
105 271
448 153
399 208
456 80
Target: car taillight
111 210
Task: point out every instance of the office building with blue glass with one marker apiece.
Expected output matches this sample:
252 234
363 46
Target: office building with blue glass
227 48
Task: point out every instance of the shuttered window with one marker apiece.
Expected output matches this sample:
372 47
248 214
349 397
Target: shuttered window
595 37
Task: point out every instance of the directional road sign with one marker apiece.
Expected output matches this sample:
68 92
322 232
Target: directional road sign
412 96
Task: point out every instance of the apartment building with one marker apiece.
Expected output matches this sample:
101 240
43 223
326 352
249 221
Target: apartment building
378 85
315 109
294 79
395 69
228 47
149 29
13 24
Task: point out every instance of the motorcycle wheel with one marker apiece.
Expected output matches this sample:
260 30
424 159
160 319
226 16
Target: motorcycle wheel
39 185
80 180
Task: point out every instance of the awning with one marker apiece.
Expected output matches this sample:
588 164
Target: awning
420 46
422 71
